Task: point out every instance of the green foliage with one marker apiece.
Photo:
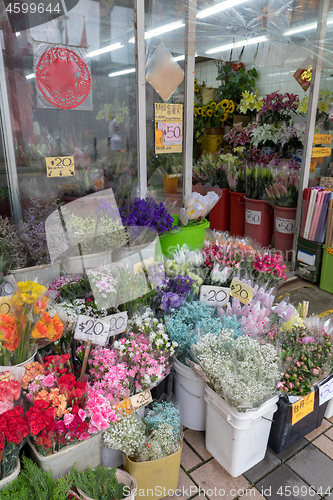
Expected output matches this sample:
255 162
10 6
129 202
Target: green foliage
235 81
99 483
35 484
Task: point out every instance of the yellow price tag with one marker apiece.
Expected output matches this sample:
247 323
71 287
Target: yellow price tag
320 152
322 138
241 290
313 165
302 407
60 166
141 399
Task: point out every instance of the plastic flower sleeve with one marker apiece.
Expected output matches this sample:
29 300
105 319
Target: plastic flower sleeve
197 206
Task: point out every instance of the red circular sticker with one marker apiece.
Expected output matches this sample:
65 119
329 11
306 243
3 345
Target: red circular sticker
63 78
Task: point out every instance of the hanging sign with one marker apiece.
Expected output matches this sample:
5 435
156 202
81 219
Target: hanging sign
303 77
60 166
168 128
214 295
322 138
63 77
241 290
302 408
321 152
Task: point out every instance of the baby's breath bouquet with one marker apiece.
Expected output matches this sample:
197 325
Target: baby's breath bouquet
241 370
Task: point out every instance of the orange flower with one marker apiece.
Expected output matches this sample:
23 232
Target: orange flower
55 329
8 332
48 327
58 402
41 305
32 370
43 394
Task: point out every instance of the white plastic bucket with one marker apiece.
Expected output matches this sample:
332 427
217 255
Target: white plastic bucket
190 392
237 441
9 479
111 457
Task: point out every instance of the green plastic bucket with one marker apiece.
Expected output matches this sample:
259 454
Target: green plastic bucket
193 236
326 277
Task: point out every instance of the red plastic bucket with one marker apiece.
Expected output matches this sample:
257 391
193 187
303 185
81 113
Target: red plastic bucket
219 215
258 221
284 229
237 213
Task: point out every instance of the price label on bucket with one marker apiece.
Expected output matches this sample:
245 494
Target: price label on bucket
326 391
253 217
302 408
241 290
140 400
285 226
96 330
215 296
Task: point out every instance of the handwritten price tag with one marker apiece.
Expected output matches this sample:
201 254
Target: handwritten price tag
96 330
117 322
172 134
302 408
253 217
326 391
140 400
5 304
322 138
241 290
214 295
7 286
318 152
60 166
285 226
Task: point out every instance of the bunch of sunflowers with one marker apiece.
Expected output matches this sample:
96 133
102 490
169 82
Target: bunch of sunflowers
213 114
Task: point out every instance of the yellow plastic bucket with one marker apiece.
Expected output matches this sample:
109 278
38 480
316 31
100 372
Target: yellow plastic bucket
156 479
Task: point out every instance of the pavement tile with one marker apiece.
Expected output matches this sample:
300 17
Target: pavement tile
186 486
189 458
325 425
330 419
314 467
252 493
329 433
283 482
289 452
268 463
325 445
197 440
217 483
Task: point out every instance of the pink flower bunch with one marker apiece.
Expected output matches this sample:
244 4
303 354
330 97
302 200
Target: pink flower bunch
239 135
108 374
41 382
253 316
269 268
229 254
278 106
99 411
10 391
72 427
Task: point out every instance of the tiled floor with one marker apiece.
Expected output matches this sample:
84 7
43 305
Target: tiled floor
303 471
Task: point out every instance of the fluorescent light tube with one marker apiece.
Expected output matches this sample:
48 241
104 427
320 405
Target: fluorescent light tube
305 27
29 77
219 7
166 28
122 72
241 43
104 50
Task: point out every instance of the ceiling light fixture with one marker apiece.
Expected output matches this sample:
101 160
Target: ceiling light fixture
29 77
166 28
122 72
104 50
305 27
219 8
241 43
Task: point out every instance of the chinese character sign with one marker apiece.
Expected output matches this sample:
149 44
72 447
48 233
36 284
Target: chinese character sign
168 128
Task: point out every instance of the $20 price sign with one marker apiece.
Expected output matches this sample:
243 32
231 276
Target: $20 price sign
214 295
99 330
241 290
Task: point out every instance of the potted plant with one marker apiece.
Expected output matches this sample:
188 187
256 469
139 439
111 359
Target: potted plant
250 104
282 194
33 482
208 122
292 140
212 172
235 79
102 482
258 213
242 374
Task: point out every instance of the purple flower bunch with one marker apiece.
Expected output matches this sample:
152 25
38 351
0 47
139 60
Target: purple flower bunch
174 291
278 107
147 213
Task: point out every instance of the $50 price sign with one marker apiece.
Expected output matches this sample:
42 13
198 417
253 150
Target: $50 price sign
241 290
214 295
99 330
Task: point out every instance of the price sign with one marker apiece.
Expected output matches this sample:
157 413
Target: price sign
253 217
321 152
322 138
172 134
241 290
326 391
302 408
140 400
96 330
60 166
5 304
285 226
214 295
117 322
7 286
313 165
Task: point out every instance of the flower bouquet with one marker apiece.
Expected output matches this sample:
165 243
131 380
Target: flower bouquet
28 324
147 213
210 170
236 172
196 207
283 189
277 108
257 178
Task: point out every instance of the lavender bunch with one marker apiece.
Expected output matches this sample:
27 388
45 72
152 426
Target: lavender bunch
147 213
283 190
171 291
